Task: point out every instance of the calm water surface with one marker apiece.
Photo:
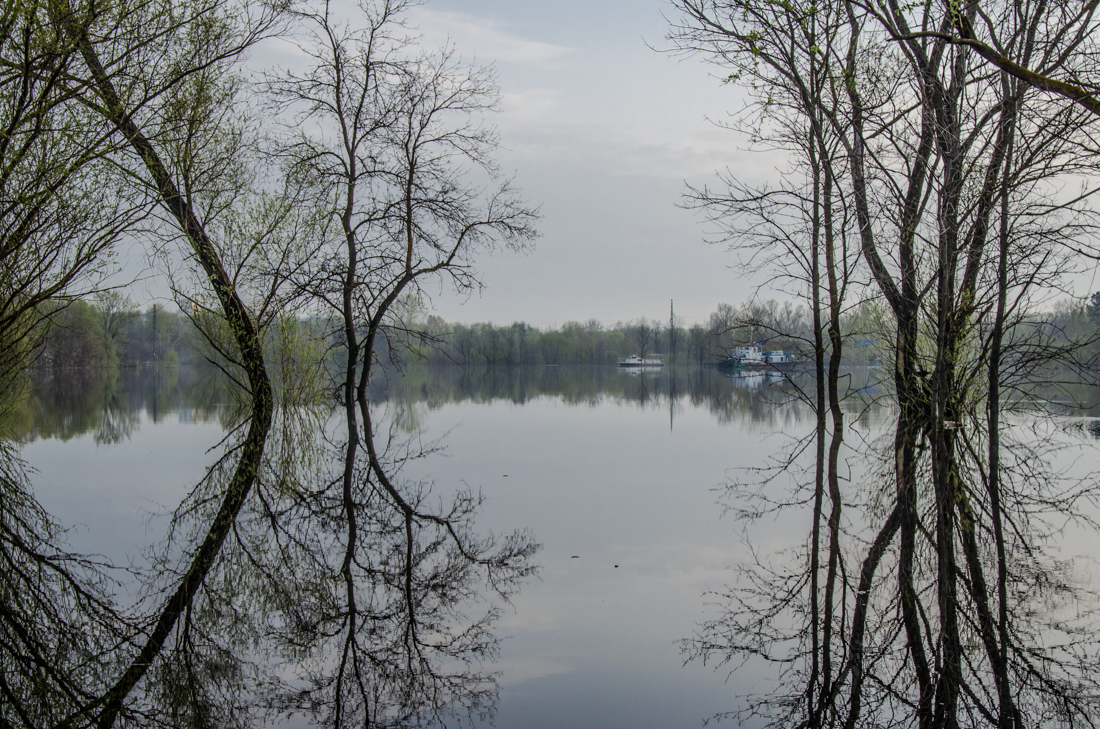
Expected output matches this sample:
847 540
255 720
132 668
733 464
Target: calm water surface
619 477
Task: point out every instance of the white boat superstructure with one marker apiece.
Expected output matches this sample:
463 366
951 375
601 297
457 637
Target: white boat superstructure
749 354
755 357
636 361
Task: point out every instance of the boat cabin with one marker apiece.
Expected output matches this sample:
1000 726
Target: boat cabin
749 353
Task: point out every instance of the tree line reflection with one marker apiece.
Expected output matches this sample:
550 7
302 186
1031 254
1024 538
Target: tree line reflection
414 583
111 403
729 398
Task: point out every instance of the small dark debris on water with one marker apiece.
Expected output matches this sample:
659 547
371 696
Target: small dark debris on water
575 556
616 566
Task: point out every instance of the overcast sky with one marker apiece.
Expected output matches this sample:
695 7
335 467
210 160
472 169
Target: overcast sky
601 132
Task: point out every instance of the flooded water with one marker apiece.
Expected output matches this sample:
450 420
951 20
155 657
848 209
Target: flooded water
622 479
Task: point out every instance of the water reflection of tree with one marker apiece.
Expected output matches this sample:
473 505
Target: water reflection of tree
312 541
59 614
399 633
109 402
117 424
944 601
376 572
364 607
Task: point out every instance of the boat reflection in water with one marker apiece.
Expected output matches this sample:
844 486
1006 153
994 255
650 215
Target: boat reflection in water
753 377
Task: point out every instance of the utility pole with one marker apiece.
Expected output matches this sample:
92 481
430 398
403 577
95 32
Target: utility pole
671 333
155 368
671 362
154 332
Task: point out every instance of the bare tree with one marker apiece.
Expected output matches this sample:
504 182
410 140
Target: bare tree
63 203
117 311
923 153
142 104
643 334
162 112
699 342
401 141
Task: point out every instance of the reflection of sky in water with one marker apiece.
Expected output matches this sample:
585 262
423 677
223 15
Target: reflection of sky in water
112 494
593 645
603 478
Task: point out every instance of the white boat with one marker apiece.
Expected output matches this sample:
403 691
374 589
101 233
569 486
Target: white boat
749 355
779 357
636 361
753 357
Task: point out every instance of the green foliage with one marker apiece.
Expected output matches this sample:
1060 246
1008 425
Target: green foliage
147 120
295 351
76 338
105 334
117 312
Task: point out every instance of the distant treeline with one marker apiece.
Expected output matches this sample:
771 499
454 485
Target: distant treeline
866 331
780 325
111 331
